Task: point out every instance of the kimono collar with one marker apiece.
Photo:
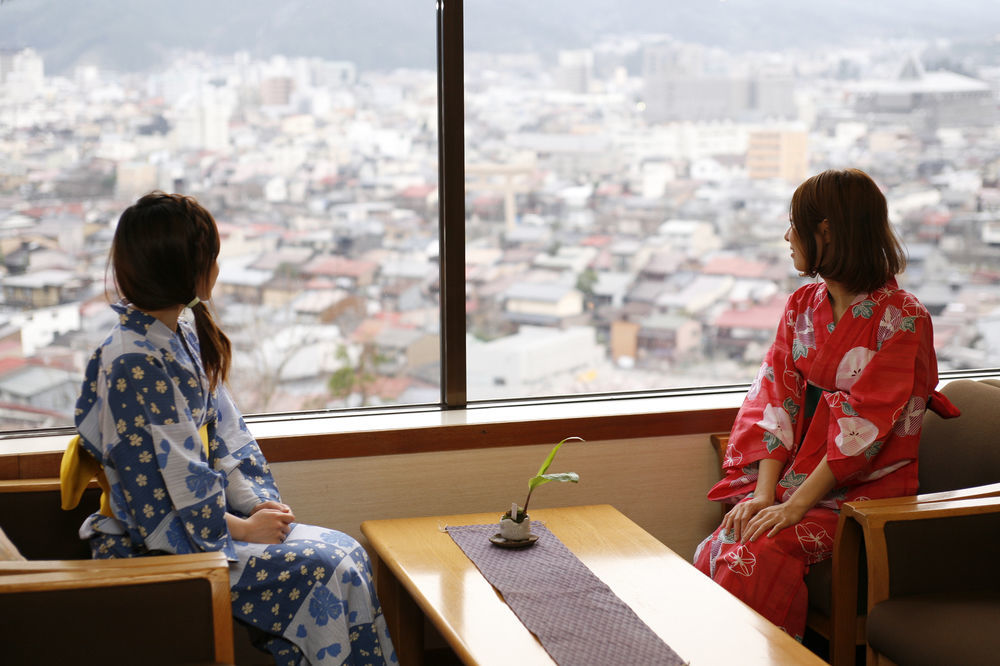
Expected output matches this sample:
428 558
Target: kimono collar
144 324
823 294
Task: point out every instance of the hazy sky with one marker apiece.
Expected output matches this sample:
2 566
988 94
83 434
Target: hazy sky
135 34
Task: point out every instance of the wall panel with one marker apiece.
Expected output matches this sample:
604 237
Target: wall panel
659 482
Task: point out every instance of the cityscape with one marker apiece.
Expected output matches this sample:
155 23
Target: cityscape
625 205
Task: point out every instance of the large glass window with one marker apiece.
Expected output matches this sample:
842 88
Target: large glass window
629 169
310 132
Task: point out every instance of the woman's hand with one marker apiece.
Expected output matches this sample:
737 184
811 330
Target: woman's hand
773 519
740 516
271 504
768 470
264 526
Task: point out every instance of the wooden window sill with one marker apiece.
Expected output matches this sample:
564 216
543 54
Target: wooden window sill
415 430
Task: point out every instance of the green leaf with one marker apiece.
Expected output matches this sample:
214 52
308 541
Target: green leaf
863 309
848 409
536 481
873 450
791 408
793 480
771 442
542 477
799 350
552 454
908 324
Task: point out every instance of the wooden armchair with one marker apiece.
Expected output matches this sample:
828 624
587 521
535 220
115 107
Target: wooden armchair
60 574
959 467
955 454
933 592
159 610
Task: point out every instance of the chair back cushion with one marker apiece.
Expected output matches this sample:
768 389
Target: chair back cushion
35 522
962 452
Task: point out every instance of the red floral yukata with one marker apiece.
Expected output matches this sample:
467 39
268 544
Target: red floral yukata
854 392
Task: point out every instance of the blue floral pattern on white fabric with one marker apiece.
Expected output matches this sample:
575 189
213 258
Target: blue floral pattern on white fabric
144 397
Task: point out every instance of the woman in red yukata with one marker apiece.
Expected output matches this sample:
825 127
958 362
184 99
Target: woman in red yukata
835 412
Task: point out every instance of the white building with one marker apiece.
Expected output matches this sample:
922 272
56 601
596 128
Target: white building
532 361
695 238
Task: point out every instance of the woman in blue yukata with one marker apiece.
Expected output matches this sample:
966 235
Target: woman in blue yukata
150 387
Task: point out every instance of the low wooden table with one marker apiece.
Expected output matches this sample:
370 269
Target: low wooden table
421 573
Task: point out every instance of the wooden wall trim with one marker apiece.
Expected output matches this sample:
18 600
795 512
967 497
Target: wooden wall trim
477 436
447 437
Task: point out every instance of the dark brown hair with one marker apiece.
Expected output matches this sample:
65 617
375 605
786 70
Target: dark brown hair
864 252
163 251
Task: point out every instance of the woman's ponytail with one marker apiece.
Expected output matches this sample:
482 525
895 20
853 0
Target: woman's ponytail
216 350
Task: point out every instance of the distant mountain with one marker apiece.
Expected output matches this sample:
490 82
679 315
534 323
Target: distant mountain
138 34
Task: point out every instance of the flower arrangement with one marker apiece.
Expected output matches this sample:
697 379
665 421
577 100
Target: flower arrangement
515 523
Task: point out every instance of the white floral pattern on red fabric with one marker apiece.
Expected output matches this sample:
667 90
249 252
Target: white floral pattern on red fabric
804 329
856 434
891 321
851 367
777 422
912 419
814 539
755 387
741 561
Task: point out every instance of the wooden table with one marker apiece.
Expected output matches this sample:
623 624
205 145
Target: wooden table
421 573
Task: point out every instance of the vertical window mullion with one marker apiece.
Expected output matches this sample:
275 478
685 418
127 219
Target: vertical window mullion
451 198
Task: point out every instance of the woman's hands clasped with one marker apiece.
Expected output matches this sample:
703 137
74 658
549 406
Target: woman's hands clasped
269 522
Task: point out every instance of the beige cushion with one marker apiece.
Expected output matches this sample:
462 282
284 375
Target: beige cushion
962 452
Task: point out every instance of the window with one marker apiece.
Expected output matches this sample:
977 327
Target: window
614 185
628 179
316 153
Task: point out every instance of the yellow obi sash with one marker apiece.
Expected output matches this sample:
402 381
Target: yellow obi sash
78 468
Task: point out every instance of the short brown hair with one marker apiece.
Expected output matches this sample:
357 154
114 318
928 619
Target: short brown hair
864 252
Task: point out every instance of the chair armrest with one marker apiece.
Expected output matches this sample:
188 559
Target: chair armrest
866 520
56 576
989 490
872 518
193 564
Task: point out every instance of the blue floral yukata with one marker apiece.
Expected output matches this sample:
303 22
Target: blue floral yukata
144 398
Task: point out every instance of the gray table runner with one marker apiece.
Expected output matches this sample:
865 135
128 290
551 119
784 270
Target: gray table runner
574 615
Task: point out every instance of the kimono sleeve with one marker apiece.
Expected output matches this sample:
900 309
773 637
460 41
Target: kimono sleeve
236 454
880 398
166 485
767 423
